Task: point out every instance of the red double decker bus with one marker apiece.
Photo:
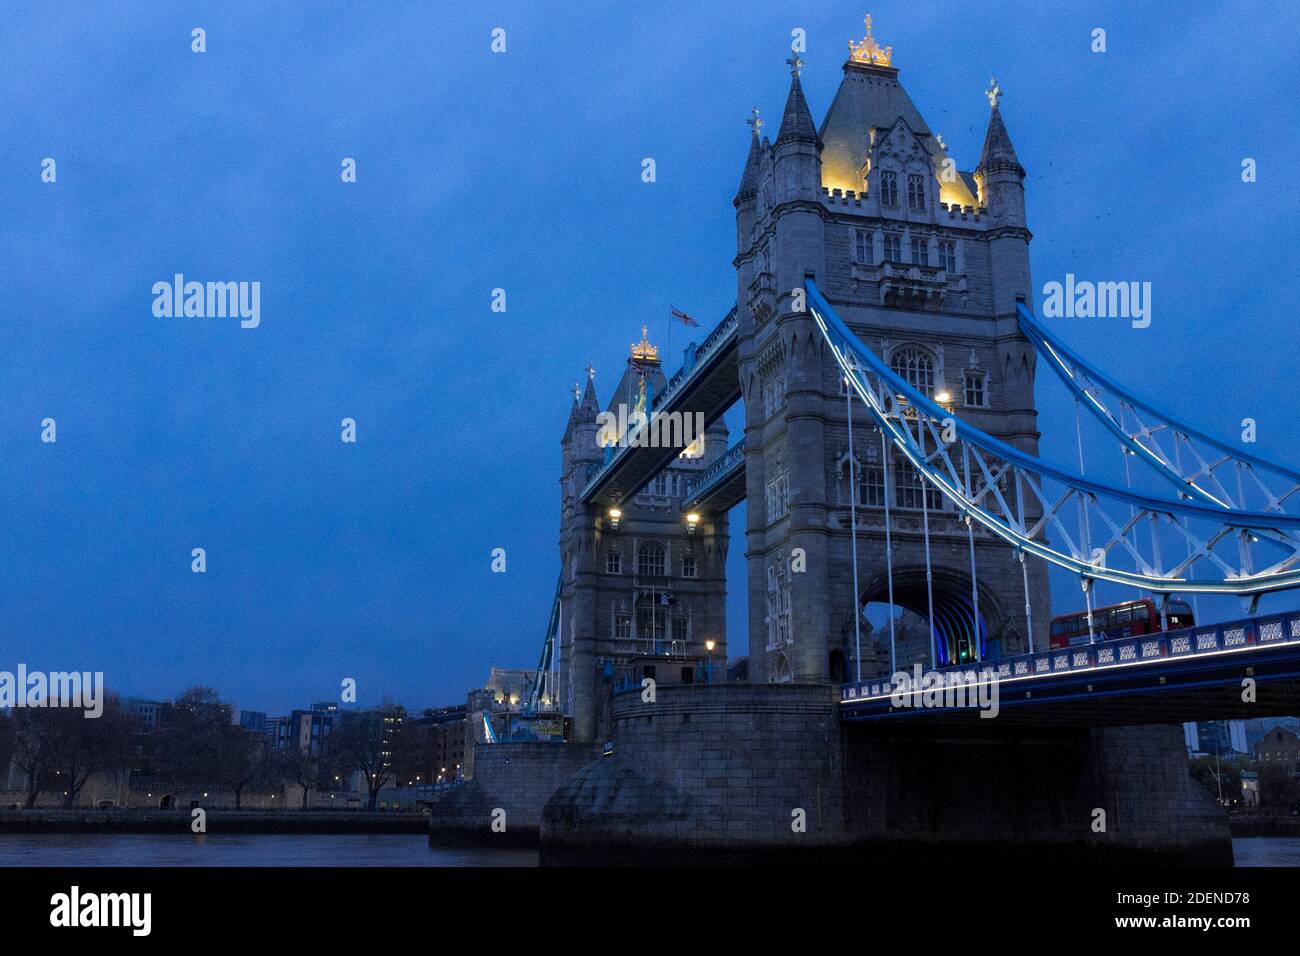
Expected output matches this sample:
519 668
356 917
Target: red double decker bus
1130 619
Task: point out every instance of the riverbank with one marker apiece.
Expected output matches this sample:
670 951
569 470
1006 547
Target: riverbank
217 821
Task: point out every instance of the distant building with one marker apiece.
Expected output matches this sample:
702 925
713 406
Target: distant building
1279 747
307 730
254 720
433 747
143 714
1257 728
1222 737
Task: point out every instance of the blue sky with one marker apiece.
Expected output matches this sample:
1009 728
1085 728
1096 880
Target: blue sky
520 171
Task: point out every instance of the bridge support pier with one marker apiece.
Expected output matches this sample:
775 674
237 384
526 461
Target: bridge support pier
766 771
1112 796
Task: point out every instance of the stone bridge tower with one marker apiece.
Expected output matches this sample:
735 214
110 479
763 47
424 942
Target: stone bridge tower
647 586
925 262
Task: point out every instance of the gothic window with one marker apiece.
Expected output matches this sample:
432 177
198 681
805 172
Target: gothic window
660 484
778 496
916 367
771 379
622 627
893 247
920 252
614 562
974 388
778 605
908 488
870 479
948 255
688 565
888 188
863 250
916 193
650 560
871 487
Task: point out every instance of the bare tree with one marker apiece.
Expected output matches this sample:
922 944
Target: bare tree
294 766
366 741
33 748
242 760
192 731
83 746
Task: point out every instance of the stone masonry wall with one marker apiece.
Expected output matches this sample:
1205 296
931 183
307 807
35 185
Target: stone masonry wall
718 765
516 777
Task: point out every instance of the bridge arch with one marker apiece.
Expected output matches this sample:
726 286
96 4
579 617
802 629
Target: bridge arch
957 639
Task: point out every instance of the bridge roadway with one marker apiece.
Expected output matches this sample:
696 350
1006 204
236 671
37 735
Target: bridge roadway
1192 674
709 382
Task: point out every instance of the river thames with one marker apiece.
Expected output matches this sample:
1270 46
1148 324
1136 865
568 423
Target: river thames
358 850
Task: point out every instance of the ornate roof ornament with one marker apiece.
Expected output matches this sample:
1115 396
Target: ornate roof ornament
994 92
869 52
643 350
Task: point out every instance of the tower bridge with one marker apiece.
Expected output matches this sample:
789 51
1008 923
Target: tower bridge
885 351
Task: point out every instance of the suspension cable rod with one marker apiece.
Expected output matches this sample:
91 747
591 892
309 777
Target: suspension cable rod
853 524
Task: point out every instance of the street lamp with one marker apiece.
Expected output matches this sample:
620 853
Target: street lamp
614 515
709 646
692 520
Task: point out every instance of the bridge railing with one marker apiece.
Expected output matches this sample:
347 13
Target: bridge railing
1199 641
712 342
715 472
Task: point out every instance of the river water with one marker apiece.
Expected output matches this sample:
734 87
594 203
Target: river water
56 849
104 849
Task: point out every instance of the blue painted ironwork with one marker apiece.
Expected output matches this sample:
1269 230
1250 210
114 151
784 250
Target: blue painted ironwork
717 472
977 472
697 358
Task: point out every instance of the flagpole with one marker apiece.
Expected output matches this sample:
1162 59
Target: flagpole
669 346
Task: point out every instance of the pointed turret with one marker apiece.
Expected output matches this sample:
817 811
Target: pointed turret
590 405
998 153
797 124
796 155
749 178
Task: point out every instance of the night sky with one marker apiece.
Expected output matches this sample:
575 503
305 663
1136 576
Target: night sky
521 171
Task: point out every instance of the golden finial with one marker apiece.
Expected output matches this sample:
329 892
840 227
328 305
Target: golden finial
644 350
755 123
869 51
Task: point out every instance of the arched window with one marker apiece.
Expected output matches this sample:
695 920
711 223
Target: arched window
781 671
688 565
889 188
917 367
650 560
614 562
916 193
